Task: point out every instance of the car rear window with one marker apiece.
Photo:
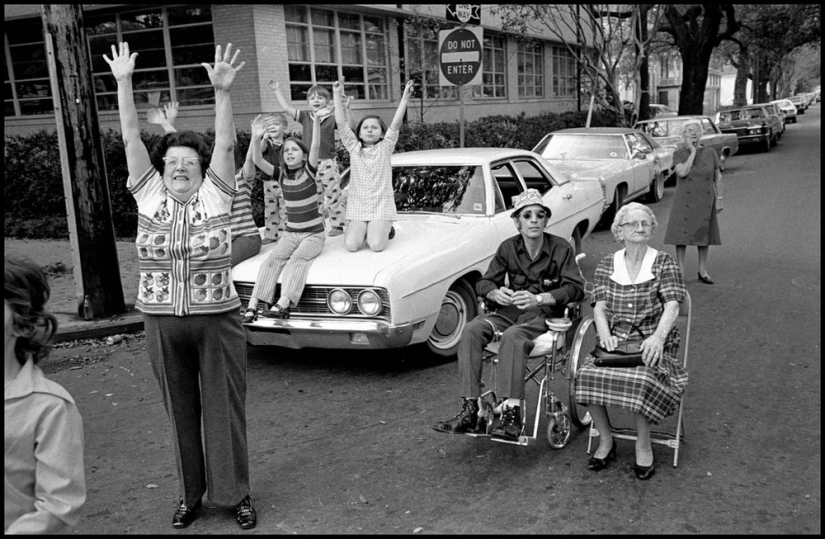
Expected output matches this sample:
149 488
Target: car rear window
744 114
439 189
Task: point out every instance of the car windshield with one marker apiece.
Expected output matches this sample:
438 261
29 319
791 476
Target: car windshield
439 189
573 146
743 114
662 128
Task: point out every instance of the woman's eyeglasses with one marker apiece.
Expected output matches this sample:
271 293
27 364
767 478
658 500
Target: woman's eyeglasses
529 215
635 224
188 162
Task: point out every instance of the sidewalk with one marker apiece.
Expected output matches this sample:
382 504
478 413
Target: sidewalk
72 328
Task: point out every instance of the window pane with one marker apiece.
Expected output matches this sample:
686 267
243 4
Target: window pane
144 80
194 54
299 92
324 46
375 50
37 106
356 91
140 21
152 98
106 102
29 61
373 24
378 92
295 13
24 31
300 72
349 21
354 74
100 24
297 44
9 109
328 74
191 76
351 48
98 46
34 88
151 47
189 15
193 35
322 17
196 96
105 83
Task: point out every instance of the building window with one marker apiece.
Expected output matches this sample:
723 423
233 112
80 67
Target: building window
422 60
530 70
324 45
564 72
171 44
27 89
665 71
493 75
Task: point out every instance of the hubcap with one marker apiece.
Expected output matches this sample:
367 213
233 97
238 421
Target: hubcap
451 321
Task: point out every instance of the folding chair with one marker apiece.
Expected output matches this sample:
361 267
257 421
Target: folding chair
670 439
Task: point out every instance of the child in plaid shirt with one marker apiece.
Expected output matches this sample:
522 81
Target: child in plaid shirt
371 201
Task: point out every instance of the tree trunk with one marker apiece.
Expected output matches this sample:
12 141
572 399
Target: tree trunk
644 73
82 163
740 85
694 77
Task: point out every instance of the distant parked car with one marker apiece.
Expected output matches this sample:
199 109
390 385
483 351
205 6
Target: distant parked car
454 209
752 125
668 133
800 103
788 108
774 110
626 163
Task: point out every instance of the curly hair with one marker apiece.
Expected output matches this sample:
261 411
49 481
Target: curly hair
27 291
624 210
189 139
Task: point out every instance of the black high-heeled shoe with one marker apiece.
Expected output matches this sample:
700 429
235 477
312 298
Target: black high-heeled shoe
645 472
705 279
249 316
277 312
600 464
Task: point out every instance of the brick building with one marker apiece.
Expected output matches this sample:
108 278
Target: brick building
298 45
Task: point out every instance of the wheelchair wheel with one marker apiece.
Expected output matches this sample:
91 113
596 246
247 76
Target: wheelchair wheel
558 432
583 343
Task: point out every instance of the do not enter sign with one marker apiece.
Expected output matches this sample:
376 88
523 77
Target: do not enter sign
460 53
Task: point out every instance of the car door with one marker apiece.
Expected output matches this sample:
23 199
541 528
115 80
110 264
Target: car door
507 184
711 137
642 164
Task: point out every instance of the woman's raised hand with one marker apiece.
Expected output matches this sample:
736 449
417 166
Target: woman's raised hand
122 63
408 89
222 75
274 85
171 110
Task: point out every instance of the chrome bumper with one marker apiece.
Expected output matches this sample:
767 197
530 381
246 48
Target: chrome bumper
308 333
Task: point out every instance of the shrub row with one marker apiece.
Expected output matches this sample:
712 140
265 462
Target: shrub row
34 206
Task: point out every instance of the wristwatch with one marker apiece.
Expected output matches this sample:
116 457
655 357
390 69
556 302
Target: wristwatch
538 298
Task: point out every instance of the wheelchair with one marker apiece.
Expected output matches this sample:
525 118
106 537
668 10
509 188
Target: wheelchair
561 349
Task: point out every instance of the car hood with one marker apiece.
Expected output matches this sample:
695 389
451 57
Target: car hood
416 240
581 169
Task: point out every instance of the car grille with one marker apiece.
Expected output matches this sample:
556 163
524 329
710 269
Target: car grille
313 301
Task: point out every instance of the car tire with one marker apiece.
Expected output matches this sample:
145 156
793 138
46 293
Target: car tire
458 307
618 202
766 146
657 188
575 241
775 140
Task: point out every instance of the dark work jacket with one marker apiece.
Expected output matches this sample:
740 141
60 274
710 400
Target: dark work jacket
554 271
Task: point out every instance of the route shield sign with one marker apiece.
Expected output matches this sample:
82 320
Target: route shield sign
460 52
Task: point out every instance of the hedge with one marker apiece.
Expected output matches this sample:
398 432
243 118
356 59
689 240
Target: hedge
33 202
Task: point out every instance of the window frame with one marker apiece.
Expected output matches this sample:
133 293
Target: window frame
563 85
12 96
537 90
491 51
297 88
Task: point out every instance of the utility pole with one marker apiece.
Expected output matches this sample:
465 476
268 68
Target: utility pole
88 208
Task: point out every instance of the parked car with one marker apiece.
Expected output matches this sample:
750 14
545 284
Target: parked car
800 103
625 162
668 133
752 125
774 110
659 111
788 108
454 211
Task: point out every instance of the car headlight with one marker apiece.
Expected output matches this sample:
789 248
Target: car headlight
339 301
369 302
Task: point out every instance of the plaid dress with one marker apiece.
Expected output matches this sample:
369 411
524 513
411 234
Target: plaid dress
371 197
653 392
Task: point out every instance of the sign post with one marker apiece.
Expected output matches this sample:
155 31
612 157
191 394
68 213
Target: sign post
460 55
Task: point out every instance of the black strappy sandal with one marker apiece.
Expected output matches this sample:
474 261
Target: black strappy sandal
249 316
277 312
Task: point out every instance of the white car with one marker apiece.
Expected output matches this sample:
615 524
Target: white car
625 162
454 209
788 108
661 111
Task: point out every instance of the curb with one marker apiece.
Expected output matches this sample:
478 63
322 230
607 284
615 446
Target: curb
93 330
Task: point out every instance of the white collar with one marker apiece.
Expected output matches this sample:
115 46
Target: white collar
620 268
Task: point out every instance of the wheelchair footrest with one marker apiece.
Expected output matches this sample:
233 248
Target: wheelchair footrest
522 440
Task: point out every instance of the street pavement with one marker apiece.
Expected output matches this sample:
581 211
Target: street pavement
339 442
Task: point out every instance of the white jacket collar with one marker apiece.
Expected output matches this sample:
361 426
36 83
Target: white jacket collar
620 268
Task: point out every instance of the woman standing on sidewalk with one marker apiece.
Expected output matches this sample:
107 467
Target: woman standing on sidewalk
194 338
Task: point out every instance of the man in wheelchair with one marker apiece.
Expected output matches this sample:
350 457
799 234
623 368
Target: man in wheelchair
543 278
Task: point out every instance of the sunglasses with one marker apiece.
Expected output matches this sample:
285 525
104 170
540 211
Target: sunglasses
529 215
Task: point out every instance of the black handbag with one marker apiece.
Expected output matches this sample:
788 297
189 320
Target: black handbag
626 354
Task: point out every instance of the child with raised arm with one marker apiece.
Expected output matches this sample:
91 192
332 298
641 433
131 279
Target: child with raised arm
265 144
303 237
318 100
371 201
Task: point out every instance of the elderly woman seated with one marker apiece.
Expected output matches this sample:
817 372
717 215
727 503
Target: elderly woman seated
636 287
